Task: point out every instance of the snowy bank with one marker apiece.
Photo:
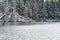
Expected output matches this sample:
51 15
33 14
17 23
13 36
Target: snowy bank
31 32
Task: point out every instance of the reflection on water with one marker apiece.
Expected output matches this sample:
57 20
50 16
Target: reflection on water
14 23
10 23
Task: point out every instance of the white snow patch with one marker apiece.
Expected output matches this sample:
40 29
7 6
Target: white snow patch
31 32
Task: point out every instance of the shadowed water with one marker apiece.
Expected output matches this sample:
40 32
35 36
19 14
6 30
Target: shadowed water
14 23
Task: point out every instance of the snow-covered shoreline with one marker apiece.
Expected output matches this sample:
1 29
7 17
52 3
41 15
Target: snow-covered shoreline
31 32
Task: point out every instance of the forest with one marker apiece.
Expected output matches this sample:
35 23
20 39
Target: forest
30 10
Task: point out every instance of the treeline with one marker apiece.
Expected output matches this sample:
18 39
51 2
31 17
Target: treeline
38 10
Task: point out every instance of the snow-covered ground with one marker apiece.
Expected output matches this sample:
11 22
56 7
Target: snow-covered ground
31 32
